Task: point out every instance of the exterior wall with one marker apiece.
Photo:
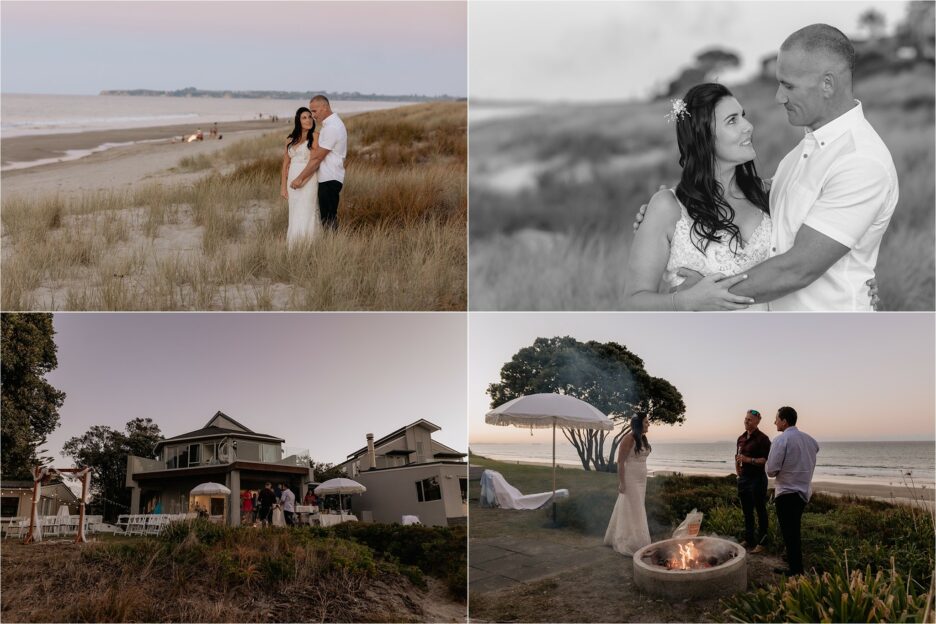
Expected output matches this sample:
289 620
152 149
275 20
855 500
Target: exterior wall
392 493
51 497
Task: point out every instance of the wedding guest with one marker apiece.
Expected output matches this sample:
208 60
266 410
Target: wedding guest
792 461
246 507
266 499
288 501
310 498
753 450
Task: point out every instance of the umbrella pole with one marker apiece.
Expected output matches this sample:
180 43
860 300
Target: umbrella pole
554 474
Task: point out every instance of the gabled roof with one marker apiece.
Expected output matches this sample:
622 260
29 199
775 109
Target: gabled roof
220 425
396 434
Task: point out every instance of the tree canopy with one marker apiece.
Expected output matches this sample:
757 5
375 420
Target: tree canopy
30 403
606 375
105 451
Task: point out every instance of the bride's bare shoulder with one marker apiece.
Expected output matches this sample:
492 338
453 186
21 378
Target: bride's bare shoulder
663 209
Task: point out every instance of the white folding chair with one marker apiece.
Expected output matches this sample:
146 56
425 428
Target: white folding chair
123 522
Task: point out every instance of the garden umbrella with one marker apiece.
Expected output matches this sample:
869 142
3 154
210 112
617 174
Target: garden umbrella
340 486
210 489
547 410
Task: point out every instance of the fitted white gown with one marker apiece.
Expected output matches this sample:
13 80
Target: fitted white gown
627 530
303 202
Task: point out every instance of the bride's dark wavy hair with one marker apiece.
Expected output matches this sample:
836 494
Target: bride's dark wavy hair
698 189
640 438
296 134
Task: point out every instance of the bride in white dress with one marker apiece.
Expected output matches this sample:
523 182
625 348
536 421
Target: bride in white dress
303 202
627 531
716 222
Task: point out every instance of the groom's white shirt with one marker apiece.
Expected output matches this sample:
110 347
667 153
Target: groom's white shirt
840 181
333 137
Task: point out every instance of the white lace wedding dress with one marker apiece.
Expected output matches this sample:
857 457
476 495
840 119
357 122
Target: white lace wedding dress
627 530
719 257
303 202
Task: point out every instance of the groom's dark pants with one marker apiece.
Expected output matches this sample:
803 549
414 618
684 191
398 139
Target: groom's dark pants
752 490
789 515
328 193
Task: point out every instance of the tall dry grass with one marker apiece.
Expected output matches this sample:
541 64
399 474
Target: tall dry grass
576 182
219 243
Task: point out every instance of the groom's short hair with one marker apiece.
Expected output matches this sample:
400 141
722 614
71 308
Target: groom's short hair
321 98
825 38
787 414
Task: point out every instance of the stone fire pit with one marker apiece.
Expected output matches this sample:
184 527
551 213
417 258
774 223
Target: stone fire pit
691 567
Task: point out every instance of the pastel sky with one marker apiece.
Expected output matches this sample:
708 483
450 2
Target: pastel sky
371 47
849 376
320 381
594 51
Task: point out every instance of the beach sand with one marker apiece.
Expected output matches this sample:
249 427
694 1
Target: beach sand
116 168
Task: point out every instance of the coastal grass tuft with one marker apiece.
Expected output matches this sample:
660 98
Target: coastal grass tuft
218 243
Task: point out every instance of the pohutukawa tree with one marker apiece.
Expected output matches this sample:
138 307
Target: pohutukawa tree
607 375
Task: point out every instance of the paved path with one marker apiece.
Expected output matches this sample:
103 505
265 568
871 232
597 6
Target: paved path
500 562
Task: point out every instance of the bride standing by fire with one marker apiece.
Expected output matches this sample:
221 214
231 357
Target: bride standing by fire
627 530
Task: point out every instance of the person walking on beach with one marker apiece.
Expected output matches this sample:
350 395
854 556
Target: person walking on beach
753 450
792 461
327 159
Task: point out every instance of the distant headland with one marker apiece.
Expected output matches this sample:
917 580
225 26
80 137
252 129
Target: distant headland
281 95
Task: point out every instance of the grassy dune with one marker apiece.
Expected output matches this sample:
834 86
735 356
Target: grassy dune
200 572
219 243
553 195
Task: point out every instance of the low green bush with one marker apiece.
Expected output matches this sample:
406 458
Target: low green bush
833 596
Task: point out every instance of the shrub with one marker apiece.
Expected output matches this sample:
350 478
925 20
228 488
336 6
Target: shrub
835 596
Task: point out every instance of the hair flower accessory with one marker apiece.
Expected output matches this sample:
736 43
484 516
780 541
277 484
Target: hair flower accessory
678 112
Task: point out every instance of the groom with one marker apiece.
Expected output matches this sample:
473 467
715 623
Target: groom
327 159
833 196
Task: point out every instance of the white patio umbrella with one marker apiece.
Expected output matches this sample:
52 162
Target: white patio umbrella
210 489
545 410
340 486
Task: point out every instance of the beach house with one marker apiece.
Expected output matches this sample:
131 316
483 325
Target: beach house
223 451
407 473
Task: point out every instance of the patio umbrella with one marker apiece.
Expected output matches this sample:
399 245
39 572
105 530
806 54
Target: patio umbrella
210 489
340 486
546 410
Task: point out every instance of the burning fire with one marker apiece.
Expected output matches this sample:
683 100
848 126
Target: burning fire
689 557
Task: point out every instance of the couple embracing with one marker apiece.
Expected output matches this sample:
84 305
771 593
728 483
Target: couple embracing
808 239
313 170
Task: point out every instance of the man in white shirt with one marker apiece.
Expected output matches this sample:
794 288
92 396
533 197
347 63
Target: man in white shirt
792 461
288 501
833 196
327 159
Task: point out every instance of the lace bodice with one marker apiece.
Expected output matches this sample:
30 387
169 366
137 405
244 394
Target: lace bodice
299 153
719 257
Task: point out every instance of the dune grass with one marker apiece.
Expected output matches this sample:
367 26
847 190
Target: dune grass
219 243
578 180
200 572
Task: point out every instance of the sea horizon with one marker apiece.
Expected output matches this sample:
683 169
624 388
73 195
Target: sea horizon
879 462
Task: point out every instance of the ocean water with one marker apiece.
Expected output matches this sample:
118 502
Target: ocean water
843 462
25 114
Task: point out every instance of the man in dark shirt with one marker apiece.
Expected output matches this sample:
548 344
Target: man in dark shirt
753 449
266 500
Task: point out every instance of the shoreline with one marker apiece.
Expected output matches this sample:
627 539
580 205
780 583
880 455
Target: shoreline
897 493
39 150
